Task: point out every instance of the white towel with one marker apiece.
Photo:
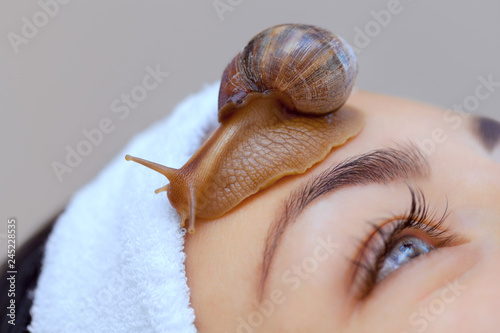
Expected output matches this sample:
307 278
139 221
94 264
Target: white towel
114 261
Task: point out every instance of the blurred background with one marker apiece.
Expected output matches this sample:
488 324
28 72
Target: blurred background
71 68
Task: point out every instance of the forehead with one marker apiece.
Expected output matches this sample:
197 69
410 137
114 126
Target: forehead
391 121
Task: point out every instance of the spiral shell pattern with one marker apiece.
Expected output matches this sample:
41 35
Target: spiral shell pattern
308 68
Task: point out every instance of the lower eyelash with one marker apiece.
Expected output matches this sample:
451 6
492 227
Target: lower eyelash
372 253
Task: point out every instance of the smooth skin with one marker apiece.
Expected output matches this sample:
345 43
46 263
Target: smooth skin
312 287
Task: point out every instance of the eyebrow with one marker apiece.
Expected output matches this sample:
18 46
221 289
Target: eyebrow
382 166
487 130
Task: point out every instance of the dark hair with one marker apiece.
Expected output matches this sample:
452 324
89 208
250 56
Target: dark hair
28 266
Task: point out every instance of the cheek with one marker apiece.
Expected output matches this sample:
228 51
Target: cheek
467 304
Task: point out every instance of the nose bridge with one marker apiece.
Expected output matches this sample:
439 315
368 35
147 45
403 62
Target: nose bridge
489 211
484 188
477 190
486 294
483 182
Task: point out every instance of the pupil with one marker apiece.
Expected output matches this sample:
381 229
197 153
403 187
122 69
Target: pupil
408 248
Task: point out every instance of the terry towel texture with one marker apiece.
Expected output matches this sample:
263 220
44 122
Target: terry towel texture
114 261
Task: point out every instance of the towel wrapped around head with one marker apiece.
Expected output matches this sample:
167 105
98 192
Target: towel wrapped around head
114 261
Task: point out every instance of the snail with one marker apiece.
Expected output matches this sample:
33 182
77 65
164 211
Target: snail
279 112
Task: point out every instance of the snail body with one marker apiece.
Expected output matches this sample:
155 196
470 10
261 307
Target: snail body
279 114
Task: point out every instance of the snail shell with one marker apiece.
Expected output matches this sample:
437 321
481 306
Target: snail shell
310 69
279 115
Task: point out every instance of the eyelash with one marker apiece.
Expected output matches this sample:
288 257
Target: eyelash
418 218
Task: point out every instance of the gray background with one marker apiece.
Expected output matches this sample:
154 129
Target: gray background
64 79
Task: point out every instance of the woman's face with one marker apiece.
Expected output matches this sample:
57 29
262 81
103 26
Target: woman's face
396 231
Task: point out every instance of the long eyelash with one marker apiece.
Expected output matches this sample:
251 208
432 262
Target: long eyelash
419 217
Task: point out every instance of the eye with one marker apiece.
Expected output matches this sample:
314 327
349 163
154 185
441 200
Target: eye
395 242
406 249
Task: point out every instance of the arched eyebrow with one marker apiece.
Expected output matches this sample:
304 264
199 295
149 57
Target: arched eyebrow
487 131
377 167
